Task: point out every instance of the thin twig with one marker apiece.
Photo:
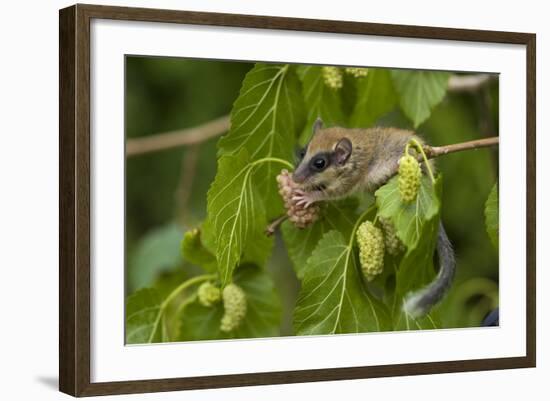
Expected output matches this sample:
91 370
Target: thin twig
185 183
468 83
272 227
436 151
168 140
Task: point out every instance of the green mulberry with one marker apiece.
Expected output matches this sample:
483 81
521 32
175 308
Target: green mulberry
370 240
333 77
393 244
357 72
234 304
209 294
409 178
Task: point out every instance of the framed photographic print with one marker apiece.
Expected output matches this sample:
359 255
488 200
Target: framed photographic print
251 200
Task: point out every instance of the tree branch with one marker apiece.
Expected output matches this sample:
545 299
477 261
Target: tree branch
172 139
184 188
436 151
468 83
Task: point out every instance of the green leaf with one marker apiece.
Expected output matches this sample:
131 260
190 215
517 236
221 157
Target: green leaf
265 120
332 299
320 100
409 218
193 251
142 317
263 316
301 243
419 92
406 322
236 217
417 266
491 215
375 97
417 226
156 252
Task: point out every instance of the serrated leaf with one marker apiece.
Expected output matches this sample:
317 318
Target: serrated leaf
193 251
419 92
301 243
417 266
156 252
332 299
491 215
375 97
143 323
407 322
263 316
236 217
320 100
417 225
265 120
408 218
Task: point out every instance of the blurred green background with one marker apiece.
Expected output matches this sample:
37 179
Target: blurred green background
166 190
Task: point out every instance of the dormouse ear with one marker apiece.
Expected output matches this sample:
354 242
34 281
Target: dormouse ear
317 125
342 151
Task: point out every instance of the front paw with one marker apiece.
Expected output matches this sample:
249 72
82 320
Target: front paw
303 199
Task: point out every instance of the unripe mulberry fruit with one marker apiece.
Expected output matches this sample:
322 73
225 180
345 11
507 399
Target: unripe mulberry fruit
357 72
299 215
370 240
393 244
409 178
209 294
333 77
234 304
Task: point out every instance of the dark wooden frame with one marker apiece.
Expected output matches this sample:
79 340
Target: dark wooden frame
74 204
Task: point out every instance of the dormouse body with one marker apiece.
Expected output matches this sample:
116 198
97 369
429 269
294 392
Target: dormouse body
339 162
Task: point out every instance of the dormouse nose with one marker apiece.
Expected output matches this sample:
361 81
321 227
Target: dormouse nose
299 175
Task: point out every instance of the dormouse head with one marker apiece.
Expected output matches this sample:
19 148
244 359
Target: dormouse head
325 161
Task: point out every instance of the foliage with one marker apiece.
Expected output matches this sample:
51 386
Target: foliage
142 317
332 299
320 100
491 215
263 313
236 216
271 116
155 253
375 97
339 216
420 92
265 120
416 225
194 251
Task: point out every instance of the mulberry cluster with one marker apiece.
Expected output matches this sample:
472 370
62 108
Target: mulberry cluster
234 304
298 214
333 77
370 240
209 294
357 72
393 244
409 178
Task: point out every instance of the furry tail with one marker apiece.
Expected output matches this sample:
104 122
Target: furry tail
419 303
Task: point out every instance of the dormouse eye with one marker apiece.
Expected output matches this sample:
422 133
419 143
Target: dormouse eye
319 163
